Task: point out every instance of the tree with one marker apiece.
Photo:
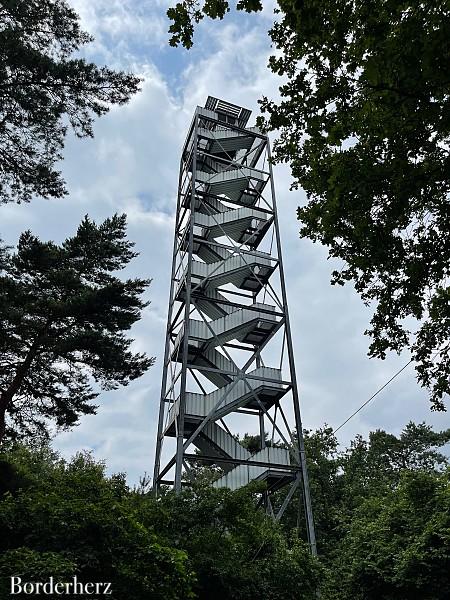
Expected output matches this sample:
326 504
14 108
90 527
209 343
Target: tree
364 122
43 90
204 543
68 519
398 545
380 540
374 467
63 318
342 480
236 551
323 461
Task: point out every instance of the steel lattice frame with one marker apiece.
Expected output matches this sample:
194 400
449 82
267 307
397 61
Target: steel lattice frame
220 331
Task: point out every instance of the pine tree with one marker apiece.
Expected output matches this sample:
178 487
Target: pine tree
44 89
63 317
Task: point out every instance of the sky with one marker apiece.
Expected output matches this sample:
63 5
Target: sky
131 166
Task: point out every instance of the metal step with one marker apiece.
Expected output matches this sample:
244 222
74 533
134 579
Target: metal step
248 325
233 182
213 441
244 270
244 225
237 394
244 474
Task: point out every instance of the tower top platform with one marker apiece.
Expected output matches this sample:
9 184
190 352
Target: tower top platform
227 112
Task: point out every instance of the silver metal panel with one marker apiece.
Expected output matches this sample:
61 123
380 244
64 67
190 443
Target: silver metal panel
202 404
226 442
243 474
232 222
224 329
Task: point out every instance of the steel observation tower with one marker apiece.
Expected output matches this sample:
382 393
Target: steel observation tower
228 361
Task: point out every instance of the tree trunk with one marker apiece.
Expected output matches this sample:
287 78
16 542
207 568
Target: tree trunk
7 396
2 419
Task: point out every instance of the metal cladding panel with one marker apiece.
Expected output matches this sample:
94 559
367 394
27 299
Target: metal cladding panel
207 111
214 359
224 140
201 404
221 337
197 404
208 204
243 474
199 269
235 189
197 329
244 117
219 400
272 455
219 360
211 254
229 145
254 153
173 412
232 190
232 174
212 295
224 328
240 218
239 476
228 265
241 277
212 307
222 133
241 388
234 230
226 442
248 199
179 337
268 372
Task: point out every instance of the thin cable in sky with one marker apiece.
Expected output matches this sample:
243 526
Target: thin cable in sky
372 397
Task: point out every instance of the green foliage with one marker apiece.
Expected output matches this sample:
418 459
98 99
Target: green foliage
33 565
364 122
342 480
253 442
205 543
237 552
382 514
70 520
398 545
64 314
382 511
325 483
189 12
44 89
